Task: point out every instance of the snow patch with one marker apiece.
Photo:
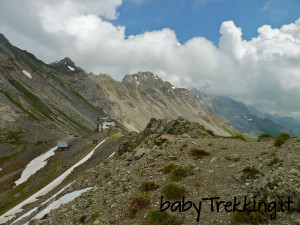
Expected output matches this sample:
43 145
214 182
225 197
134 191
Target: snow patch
250 119
111 155
25 215
71 68
49 199
35 165
19 208
174 88
26 73
61 201
138 82
135 78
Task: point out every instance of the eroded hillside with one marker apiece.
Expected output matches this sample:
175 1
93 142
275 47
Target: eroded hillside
175 158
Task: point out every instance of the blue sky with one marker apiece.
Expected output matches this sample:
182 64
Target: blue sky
191 18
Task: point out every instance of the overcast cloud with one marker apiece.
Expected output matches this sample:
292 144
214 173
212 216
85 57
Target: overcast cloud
264 72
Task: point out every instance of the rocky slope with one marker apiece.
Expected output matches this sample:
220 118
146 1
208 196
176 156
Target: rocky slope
144 95
127 188
40 104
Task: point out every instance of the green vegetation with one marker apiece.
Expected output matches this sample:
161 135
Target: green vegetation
12 138
168 168
18 105
184 145
236 159
251 217
36 103
198 153
281 139
173 191
149 186
250 173
239 136
81 126
19 56
92 106
25 190
264 135
95 215
275 161
161 218
88 203
176 172
82 218
138 203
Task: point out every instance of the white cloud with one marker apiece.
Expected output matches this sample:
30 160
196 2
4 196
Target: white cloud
264 71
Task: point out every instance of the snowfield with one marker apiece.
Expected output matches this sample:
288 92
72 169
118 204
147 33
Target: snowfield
27 74
63 200
26 214
19 208
35 165
71 68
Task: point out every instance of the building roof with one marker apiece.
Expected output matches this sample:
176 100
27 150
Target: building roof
62 144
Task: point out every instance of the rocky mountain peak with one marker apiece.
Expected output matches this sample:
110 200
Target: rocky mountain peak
65 61
144 80
65 65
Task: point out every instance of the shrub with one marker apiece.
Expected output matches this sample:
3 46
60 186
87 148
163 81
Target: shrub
82 218
285 136
250 173
138 203
161 218
198 153
171 190
281 139
168 168
275 161
95 215
251 217
178 173
264 135
149 186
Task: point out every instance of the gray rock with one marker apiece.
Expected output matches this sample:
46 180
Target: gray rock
186 136
139 153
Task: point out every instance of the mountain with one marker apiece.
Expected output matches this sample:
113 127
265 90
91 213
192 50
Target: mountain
43 103
176 162
289 122
139 97
240 117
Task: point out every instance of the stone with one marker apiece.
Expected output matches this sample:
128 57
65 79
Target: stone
186 136
139 153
